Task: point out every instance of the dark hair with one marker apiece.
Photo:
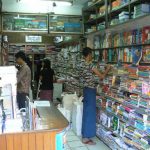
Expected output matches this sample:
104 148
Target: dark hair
86 51
21 55
47 63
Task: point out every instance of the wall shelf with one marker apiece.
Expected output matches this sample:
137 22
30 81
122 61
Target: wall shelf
124 46
130 24
94 5
119 9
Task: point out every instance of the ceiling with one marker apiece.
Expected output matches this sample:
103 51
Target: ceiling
76 2
80 2
43 6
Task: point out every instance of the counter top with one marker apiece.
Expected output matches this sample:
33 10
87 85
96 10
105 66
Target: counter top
50 118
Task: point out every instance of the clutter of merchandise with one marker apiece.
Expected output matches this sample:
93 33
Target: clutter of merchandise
123 105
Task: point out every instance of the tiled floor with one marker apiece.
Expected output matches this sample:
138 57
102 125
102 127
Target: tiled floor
74 143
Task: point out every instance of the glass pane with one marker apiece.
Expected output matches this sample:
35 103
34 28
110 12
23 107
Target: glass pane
65 24
24 23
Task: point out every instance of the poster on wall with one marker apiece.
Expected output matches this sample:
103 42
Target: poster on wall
33 39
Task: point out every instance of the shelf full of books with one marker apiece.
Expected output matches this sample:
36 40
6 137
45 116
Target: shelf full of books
121 46
65 63
105 14
28 49
123 108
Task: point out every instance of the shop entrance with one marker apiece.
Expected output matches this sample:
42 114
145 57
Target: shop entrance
35 63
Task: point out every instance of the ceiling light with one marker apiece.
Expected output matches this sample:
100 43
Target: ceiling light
57 3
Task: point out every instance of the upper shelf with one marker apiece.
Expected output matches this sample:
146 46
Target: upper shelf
131 24
117 16
119 9
94 5
126 26
41 23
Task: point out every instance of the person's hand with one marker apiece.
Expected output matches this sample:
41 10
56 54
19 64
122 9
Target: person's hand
102 77
109 67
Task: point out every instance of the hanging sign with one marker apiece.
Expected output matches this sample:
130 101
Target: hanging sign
34 39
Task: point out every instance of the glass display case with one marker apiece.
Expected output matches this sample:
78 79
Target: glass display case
8 91
22 22
66 24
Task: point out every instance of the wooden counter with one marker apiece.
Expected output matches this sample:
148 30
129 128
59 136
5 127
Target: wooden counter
44 138
52 118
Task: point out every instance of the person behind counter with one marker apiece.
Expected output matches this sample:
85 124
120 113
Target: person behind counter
23 79
47 77
87 71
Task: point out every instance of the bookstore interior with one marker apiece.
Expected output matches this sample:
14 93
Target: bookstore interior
75 74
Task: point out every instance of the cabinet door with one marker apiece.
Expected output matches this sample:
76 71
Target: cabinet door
65 24
22 22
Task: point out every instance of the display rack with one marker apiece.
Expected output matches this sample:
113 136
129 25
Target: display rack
94 16
114 13
120 46
29 49
65 64
123 108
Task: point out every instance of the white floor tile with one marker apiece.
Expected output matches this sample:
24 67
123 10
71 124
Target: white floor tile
72 138
75 144
99 146
67 149
70 133
80 148
66 146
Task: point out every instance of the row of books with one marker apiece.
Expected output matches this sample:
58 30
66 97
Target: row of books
125 103
134 54
136 36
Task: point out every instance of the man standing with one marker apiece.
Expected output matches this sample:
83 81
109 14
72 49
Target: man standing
87 72
23 79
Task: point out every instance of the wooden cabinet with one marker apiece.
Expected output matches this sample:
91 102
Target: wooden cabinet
29 141
41 138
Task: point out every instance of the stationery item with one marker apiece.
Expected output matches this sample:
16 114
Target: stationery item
115 123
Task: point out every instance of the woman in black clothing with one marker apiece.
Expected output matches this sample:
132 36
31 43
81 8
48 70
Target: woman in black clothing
46 79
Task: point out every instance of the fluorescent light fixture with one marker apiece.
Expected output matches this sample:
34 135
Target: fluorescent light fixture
58 3
61 3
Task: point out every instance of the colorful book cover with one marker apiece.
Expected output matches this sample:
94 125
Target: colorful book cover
115 123
136 55
146 54
105 55
145 34
145 88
